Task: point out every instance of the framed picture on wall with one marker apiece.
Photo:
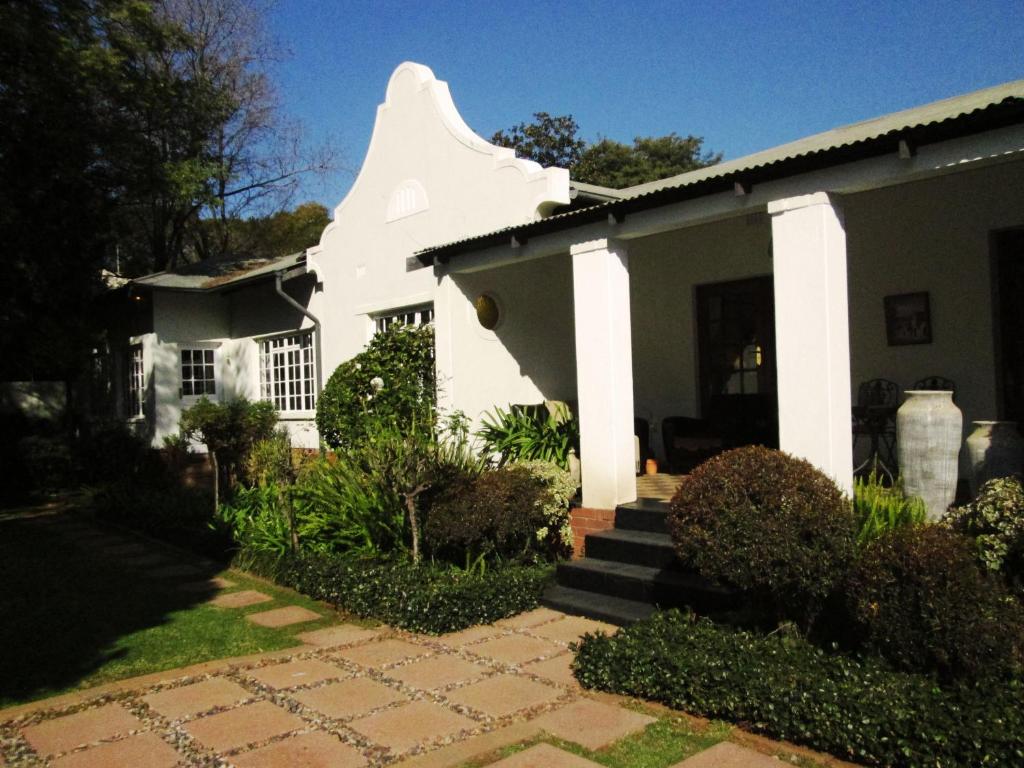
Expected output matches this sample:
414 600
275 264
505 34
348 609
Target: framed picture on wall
908 319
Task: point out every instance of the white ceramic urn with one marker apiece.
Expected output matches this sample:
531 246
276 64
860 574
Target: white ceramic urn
996 450
929 429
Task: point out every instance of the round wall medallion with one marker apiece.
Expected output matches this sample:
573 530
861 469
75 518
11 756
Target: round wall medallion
487 312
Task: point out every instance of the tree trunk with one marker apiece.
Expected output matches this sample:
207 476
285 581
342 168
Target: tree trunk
414 526
216 481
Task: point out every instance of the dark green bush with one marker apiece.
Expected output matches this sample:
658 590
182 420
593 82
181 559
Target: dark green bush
919 599
786 688
769 524
391 381
419 598
995 520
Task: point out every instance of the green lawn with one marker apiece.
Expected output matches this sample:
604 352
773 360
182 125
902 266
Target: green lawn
72 618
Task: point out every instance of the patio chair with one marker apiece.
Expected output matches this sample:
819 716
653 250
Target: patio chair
936 383
688 442
874 416
642 433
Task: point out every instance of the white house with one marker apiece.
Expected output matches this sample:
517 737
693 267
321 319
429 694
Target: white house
751 295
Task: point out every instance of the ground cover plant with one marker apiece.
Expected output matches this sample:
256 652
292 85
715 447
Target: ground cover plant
74 617
782 686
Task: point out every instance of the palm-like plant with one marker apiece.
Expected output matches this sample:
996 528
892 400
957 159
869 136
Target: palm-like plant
529 433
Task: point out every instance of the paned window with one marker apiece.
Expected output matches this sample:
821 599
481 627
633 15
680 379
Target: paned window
135 386
412 316
197 372
288 372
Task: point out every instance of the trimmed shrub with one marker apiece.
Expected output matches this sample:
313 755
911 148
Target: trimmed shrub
788 689
419 598
919 599
391 381
504 513
767 523
995 519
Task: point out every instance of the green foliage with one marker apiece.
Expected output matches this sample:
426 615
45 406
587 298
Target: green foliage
768 523
229 429
530 433
48 462
877 508
919 599
257 520
995 519
554 141
269 460
419 598
786 688
391 381
509 513
560 489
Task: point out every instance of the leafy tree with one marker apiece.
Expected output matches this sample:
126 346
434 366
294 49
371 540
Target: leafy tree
547 140
274 235
554 141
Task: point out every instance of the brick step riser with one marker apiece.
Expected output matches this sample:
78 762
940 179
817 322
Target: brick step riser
637 553
665 594
631 519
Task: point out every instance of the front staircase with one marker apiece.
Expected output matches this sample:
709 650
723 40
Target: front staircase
630 571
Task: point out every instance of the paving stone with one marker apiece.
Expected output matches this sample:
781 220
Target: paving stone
530 618
514 649
63 733
310 750
437 672
297 672
205 585
355 696
243 725
470 635
544 756
557 670
376 655
343 634
571 628
728 755
175 571
240 599
503 695
283 617
404 727
187 700
143 749
592 724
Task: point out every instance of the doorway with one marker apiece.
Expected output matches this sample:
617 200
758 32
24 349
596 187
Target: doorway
736 337
1008 251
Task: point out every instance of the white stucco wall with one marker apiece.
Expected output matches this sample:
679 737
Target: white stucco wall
932 236
427 179
529 357
664 271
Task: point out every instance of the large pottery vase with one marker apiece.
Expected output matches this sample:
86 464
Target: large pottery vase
996 450
928 434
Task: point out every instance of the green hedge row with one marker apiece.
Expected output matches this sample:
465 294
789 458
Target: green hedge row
789 689
423 598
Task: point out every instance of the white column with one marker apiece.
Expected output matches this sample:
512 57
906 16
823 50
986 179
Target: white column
812 335
604 372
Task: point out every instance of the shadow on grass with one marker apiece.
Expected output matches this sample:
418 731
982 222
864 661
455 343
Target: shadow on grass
66 610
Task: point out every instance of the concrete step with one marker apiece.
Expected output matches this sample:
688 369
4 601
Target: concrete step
642 515
653 550
665 588
593 605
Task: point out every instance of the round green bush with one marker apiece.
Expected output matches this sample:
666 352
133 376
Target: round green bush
392 381
766 523
995 520
918 598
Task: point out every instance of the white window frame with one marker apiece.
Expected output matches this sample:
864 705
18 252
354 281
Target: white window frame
420 314
135 382
287 371
207 350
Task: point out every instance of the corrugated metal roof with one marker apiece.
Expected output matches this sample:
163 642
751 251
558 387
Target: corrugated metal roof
936 121
217 274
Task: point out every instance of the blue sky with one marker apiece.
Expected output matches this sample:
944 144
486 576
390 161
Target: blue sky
744 75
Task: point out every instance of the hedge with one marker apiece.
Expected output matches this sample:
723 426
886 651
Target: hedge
419 598
784 687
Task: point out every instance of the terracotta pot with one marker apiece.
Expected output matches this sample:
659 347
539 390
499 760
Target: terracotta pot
996 450
651 467
928 433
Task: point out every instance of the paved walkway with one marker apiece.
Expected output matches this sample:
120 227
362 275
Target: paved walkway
351 696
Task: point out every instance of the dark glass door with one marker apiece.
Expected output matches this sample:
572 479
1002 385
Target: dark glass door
736 334
1009 256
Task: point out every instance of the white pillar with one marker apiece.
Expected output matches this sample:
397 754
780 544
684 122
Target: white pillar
812 335
604 372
